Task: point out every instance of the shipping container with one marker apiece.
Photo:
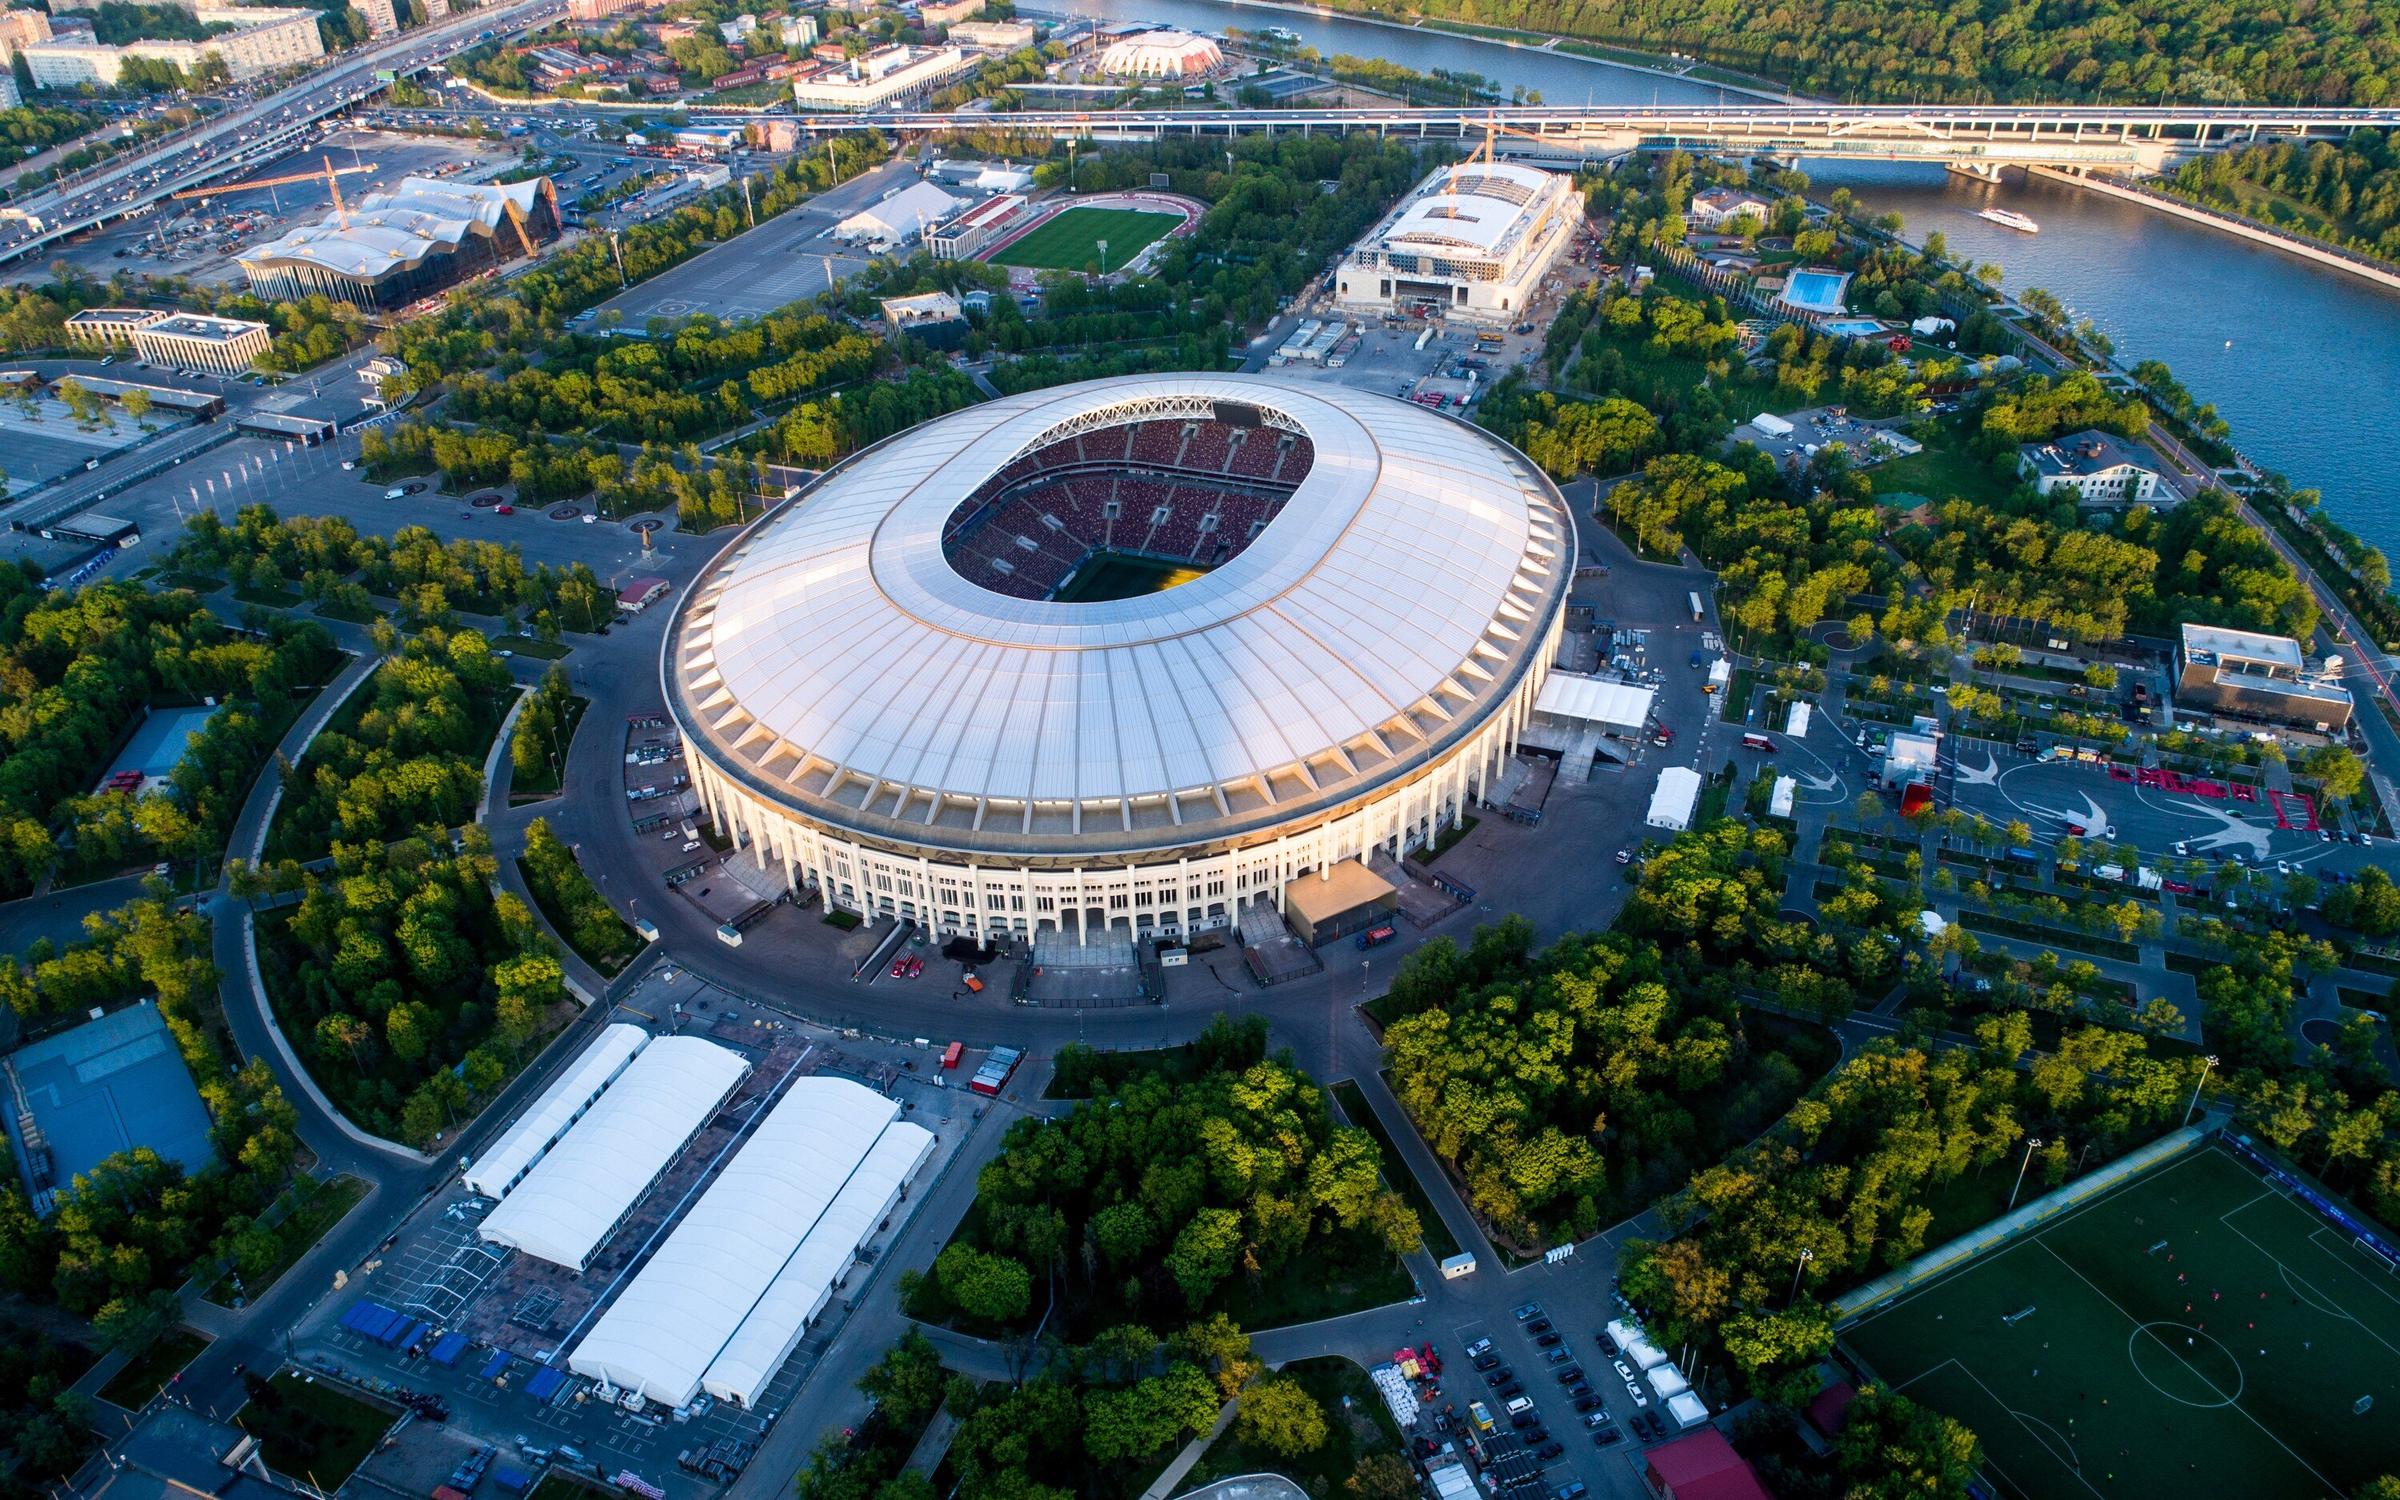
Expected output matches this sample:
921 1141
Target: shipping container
952 1053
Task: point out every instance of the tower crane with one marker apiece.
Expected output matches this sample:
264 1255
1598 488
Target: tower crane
330 176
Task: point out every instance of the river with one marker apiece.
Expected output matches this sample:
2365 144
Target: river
2302 360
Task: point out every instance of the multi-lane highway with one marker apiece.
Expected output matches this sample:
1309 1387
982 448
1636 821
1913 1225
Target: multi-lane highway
243 137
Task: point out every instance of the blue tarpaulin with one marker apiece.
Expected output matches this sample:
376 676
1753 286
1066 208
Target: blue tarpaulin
447 1350
545 1384
493 1366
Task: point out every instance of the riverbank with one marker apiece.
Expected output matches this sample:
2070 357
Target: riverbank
2230 223
1527 41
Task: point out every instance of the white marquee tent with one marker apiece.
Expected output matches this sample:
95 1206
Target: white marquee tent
726 1296
580 1189
497 1172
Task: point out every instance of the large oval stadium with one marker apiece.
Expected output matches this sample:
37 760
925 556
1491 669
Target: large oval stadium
1119 658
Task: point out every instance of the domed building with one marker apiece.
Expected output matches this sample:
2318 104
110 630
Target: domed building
1119 658
1163 56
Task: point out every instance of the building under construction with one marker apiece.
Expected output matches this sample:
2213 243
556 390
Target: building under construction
396 246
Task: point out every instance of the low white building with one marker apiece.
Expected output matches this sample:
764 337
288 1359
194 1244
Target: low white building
1474 240
264 39
496 1173
901 219
885 78
993 36
2101 468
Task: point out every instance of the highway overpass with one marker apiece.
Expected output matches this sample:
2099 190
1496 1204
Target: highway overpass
1978 138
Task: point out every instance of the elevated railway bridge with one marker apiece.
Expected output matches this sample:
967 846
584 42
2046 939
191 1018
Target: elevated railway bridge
1981 139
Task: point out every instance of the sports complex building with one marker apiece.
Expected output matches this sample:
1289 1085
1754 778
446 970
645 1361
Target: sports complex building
397 246
1473 240
1116 659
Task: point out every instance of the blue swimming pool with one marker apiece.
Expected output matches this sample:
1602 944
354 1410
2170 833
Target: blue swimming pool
1856 328
1816 291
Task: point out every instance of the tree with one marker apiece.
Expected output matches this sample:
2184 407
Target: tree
1281 1417
1889 1446
992 1288
128 1325
2337 770
908 1382
1382 1476
1203 1254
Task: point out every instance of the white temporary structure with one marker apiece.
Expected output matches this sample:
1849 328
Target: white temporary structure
580 1190
1594 700
1644 1354
498 1170
901 218
685 1317
1687 1409
1666 1380
1677 796
807 1282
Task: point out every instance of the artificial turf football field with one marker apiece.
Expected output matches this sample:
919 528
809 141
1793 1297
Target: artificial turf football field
2227 1360
1071 240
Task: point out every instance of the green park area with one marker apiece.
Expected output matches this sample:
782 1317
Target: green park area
2197 1332
1070 241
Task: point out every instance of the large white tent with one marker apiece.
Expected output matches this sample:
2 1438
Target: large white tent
496 1173
726 1296
767 1337
902 218
581 1188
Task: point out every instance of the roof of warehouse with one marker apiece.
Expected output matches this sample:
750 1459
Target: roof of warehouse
543 1121
661 1335
578 1191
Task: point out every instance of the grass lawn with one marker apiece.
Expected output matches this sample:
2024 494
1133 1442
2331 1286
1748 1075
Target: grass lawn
311 1208
1351 1433
1944 471
1111 1069
1070 241
544 782
558 1485
312 1429
1115 575
526 645
134 1385
198 583
271 598
350 614
2196 1315
1448 839
1440 1243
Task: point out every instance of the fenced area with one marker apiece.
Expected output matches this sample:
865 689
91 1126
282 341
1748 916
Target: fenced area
2196 1332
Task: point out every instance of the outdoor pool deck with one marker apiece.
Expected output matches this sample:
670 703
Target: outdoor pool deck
1816 291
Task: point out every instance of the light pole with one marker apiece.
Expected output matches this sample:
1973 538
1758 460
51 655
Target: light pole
2031 1143
1801 1265
1103 244
2206 1063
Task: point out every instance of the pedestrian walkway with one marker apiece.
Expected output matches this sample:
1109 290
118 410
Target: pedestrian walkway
1172 1475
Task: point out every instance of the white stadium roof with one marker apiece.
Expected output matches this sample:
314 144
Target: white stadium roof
1478 207
580 1189
422 216
561 1104
688 1314
1402 590
1162 54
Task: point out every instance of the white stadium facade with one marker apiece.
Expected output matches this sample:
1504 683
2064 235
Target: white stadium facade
923 689
1167 56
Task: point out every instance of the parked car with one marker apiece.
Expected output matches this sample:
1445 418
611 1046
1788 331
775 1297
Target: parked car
1528 1311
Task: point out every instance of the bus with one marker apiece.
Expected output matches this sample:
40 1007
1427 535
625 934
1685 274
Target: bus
1756 741
1698 614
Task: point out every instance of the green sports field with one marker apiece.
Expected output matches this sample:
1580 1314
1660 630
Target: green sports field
1071 240
1119 575
2196 1333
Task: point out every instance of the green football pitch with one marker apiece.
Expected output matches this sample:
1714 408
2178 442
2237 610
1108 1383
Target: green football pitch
1071 240
2194 1333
